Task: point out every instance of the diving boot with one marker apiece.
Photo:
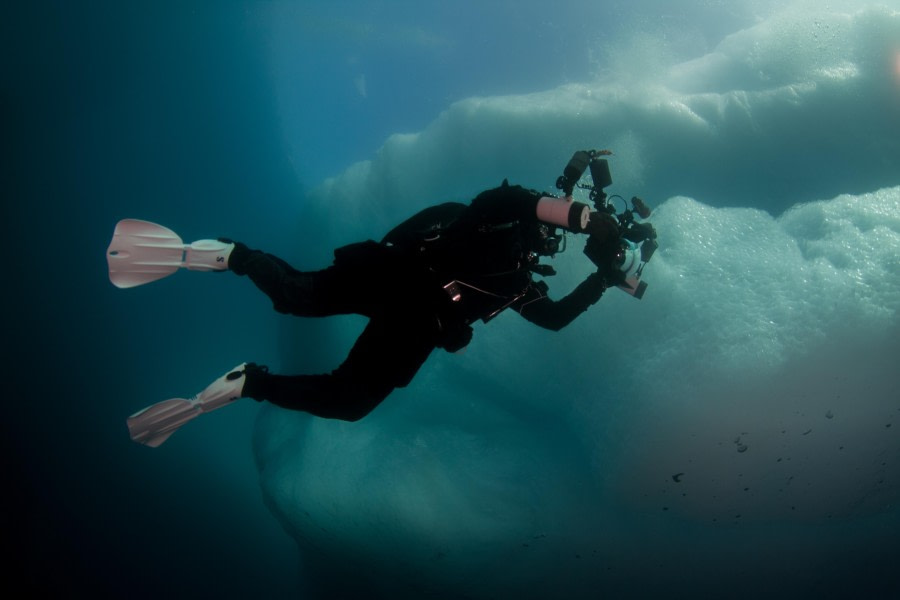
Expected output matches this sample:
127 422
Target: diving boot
153 425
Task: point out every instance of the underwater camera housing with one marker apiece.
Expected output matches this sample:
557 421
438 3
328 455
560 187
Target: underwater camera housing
621 260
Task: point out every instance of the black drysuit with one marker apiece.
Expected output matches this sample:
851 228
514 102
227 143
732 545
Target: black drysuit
421 288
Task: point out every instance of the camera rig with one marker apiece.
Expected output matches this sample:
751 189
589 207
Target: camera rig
620 260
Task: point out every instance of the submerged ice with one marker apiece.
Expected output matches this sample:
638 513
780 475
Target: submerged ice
536 457
746 403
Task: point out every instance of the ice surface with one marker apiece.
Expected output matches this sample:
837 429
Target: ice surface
745 409
775 116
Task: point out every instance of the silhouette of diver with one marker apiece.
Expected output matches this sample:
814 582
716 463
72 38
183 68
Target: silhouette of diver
421 287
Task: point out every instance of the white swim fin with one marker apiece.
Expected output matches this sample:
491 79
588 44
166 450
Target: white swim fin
153 425
141 252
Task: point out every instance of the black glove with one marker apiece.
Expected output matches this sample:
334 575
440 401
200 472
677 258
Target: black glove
602 227
604 246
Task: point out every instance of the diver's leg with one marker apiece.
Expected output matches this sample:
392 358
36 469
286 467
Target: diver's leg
301 293
386 356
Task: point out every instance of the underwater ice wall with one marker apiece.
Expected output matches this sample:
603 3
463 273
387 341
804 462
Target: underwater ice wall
794 109
737 425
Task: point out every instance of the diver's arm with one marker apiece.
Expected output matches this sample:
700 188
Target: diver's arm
538 308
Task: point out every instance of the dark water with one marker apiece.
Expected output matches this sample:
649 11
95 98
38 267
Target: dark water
155 111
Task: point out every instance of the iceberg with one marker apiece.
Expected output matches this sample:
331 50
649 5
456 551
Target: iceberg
735 427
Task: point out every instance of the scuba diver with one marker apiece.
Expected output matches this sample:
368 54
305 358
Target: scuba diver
422 287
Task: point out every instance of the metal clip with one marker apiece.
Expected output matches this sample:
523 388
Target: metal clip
452 290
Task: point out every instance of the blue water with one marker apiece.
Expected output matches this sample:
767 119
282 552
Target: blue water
765 135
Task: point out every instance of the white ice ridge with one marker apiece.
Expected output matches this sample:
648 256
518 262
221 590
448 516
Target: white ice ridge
799 107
